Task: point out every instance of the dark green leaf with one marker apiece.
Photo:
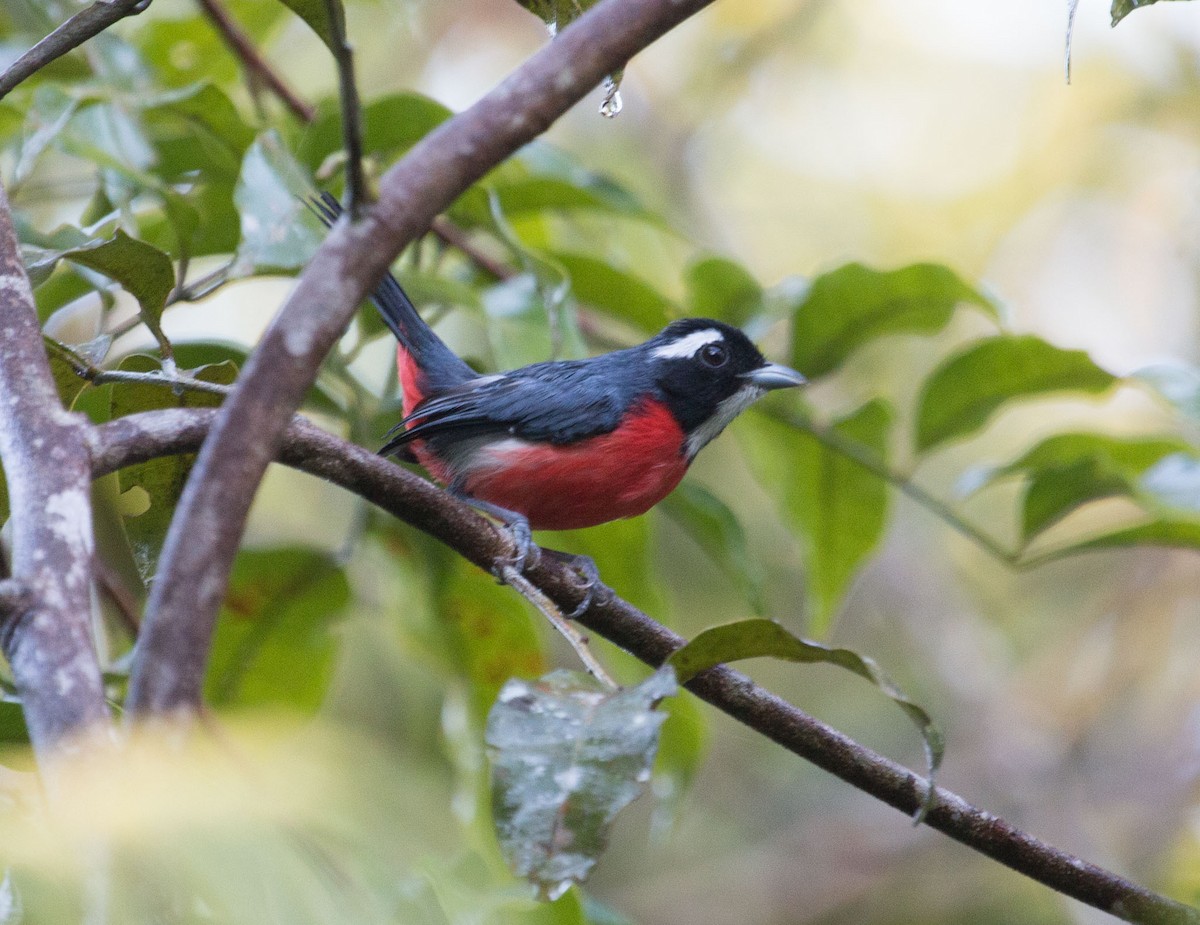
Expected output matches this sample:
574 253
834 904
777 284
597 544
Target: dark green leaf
710 522
757 638
13 730
161 480
567 756
837 508
1122 8
270 195
391 125
145 272
316 14
854 304
616 293
274 645
961 394
720 288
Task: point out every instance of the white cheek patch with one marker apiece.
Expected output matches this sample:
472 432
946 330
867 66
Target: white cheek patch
729 409
688 345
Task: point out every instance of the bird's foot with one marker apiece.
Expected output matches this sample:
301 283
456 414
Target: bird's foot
589 575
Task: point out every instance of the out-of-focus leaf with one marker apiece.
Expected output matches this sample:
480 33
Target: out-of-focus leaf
757 638
960 395
537 194
205 105
1177 383
145 272
12 910
720 288
1172 484
161 479
391 125
682 746
274 645
854 304
489 635
45 119
1122 8
111 135
270 196
13 730
1068 470
316 14
567 756
710 522
837 508
616 293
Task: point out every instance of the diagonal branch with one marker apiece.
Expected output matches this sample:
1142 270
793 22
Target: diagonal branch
45 609
256 65
204 535
141 437
85 24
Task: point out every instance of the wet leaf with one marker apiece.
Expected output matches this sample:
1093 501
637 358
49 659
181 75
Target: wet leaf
758 638
961 395
837 508
567 756
852 305
274 645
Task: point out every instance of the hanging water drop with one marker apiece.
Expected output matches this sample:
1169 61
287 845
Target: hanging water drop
611 105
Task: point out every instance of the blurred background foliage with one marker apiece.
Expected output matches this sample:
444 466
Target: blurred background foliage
1002 521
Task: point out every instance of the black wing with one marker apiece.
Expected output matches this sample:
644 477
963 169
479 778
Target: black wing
546 403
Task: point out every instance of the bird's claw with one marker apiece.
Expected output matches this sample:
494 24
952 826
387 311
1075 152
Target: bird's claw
525 552
589 576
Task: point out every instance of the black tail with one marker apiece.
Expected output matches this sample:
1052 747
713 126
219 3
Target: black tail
439 363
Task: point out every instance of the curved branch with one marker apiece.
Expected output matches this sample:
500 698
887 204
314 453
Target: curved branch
141 437
208 524
85 24
44 612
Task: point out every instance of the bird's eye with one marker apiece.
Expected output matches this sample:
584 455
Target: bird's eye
713 356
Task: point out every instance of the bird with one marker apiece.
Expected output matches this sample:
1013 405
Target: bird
567 444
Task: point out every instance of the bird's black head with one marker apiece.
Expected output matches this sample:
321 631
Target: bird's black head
709 372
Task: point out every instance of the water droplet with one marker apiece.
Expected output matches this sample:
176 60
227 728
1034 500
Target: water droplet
611 105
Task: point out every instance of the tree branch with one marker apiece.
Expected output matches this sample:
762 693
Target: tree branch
252 60
145 436
205 533
74 32
44 615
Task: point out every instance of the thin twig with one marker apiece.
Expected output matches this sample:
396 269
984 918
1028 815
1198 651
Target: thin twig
343 54
550 611
141 437
253 61
122 598
74 32
168 377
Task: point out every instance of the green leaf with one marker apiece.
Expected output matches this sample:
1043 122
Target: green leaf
270 196
1183 534
64 364
616 293
963 393
710 522
145 272
1178 383
757 638
719 288
1122 8
836 507
568 755
316 14
536 194
855 304
391 125
273 644
161 480
1068 470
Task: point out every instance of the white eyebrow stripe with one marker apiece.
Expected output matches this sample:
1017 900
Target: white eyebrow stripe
688 345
